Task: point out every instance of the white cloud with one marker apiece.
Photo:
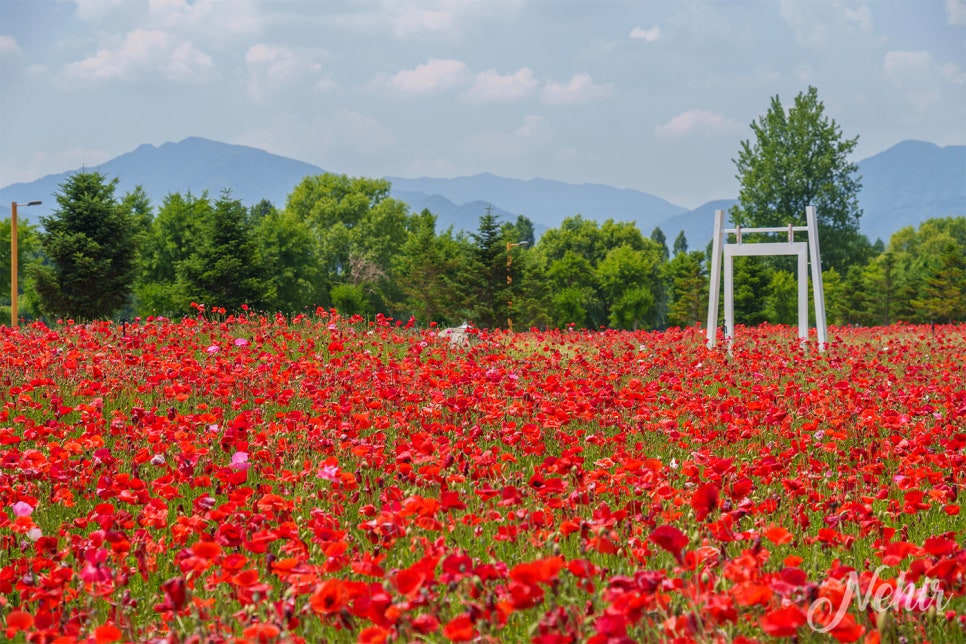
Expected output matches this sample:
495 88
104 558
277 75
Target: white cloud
581 88
213 18
9 46
447 18
489 86
694 122
143 52
432 76
647 35
953 73
412 19
919 77
903 63
862 17
271 68
810 28
956 12
94 10
535 133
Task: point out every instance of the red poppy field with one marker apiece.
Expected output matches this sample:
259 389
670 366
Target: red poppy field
325 479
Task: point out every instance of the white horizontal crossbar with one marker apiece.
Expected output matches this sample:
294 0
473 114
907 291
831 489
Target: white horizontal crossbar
734 231
765 248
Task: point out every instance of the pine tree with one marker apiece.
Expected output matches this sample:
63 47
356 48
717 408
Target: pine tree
944 292
91 241
226 270
487 283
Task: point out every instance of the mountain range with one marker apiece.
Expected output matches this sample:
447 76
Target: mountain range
902 186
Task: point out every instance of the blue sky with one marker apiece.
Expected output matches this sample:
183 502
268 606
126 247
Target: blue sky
655 96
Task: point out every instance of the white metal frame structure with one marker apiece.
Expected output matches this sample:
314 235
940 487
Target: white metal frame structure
727 253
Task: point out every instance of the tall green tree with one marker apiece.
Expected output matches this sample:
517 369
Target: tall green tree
629 279
173 237
532 296
752 280
688 286
139 205
680 243
576 234
943 297
359 230
289 255
658 236
488 272
798 158
226 270
521 230
91 241
425 268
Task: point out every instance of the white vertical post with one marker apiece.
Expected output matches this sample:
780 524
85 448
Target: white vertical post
715 284
818 289
802 297
729 297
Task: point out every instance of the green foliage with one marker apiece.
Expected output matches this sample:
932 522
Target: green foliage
521 231
688 292
943 295
173 237
350 299
629 279
531 292
289 256
680 244
576 234
781 306
28 254
752 279
226 269
91 241
425 269
344 242
658 237
917 279
359 230
573 285
570 307
138 204
800 158
486 272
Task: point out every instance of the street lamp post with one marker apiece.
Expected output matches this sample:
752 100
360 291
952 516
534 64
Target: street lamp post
14 278
509 280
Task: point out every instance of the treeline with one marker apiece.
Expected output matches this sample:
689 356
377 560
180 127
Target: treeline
344 243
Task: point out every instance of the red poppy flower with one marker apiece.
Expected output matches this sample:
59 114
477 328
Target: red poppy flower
704 500
671 539
331 597
460 629
783 622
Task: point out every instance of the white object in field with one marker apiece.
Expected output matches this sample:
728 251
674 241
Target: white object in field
458 335
806 252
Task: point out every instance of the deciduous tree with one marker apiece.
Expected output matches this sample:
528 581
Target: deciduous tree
798 158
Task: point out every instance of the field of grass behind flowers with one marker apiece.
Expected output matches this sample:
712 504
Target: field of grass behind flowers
330 479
